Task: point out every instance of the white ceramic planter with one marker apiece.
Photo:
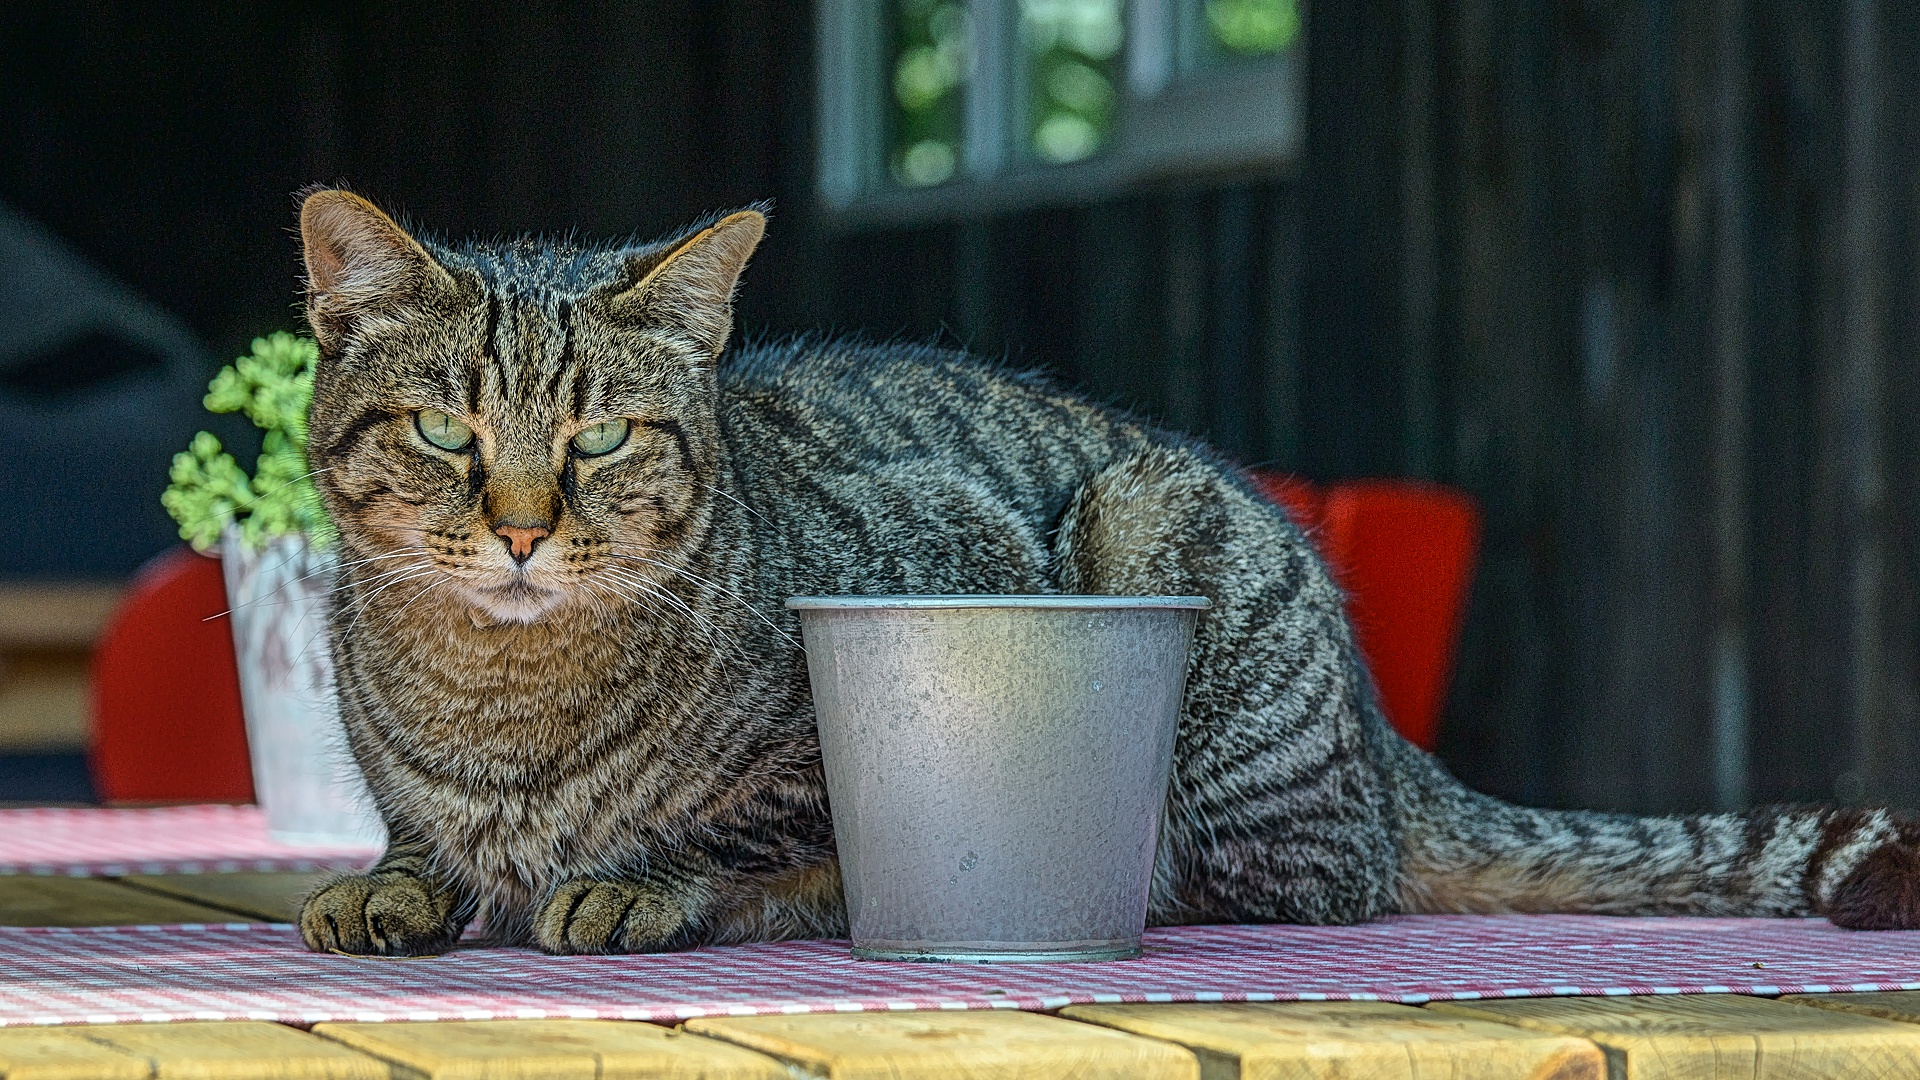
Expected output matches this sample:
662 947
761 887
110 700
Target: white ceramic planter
304 776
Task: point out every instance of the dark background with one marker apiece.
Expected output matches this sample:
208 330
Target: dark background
1639 275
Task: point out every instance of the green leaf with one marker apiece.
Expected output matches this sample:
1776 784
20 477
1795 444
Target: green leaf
208 489
273 386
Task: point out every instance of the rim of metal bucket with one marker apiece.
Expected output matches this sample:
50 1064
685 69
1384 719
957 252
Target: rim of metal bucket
990 600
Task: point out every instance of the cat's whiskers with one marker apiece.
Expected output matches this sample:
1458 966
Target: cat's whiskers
364 602
601 599
282 596
371 580
697 579
606 596
279 595
339 585
715 635
333 592
730 497
709 583
418 553
338 566
394 616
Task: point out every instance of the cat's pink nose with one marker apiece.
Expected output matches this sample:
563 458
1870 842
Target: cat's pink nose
520 542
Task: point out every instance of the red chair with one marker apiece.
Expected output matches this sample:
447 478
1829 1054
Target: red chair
167 725
1405 553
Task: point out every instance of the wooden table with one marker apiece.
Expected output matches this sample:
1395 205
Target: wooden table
1837 1036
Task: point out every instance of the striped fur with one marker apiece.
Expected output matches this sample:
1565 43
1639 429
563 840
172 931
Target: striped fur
611 748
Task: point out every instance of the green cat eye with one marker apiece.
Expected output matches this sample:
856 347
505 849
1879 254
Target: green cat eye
442 430
602 438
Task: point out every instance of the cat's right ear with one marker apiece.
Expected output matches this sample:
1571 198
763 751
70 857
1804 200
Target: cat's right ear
689 286
360 264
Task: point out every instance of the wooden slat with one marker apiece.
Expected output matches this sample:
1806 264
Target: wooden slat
47 632
274 897
65 616
63 901
1320 1040
236 1050
552 1050
1902 1005
1701 1036
60 1053
43 701
938 1045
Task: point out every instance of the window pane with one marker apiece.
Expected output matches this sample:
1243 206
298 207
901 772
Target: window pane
1073 73
931 43
1229 29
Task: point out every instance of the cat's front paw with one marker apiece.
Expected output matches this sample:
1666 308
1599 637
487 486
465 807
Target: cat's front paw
585 916
378 915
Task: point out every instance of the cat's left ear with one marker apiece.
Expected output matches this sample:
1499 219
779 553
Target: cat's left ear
691 288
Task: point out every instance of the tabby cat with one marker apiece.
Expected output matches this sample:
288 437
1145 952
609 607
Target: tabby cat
569 517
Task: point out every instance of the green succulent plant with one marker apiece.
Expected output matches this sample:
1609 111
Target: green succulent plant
273 386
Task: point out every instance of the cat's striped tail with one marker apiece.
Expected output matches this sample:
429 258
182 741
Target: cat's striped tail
1466 852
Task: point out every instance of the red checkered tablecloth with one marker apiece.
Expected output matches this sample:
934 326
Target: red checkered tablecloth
127 974
163 840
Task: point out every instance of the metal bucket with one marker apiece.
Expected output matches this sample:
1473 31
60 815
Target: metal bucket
997 767
304 775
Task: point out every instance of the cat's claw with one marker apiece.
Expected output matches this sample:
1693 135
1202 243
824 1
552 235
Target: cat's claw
377 915
585 916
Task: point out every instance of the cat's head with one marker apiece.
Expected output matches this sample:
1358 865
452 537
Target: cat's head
524 425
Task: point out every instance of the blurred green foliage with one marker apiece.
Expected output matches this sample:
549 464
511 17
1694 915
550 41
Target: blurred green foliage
932 46
273 386
1073 59
1253 27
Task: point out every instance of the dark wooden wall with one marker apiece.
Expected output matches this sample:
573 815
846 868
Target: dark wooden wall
167 140
1637 274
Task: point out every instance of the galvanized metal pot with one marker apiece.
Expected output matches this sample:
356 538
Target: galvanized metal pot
997 767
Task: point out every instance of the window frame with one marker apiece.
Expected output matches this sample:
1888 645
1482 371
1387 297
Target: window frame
1172 120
